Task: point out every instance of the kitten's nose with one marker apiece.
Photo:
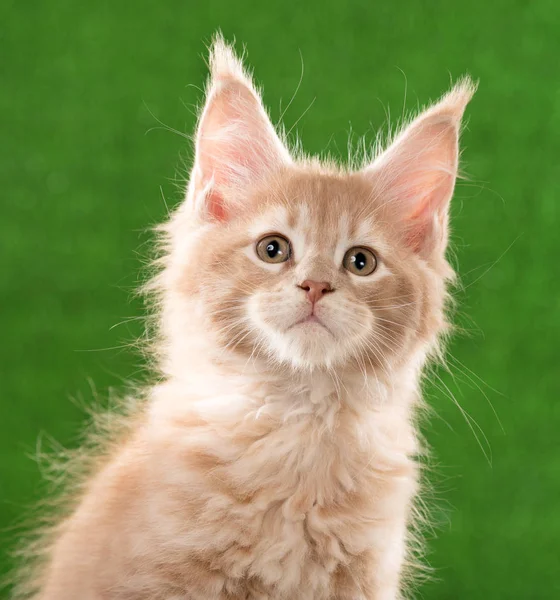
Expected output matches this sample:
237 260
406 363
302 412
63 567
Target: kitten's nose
315 289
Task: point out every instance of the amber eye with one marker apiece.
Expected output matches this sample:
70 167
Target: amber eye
274 249
360 261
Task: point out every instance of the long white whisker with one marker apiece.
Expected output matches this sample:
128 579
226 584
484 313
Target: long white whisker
471 422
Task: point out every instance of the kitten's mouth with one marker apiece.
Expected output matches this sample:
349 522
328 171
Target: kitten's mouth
310 321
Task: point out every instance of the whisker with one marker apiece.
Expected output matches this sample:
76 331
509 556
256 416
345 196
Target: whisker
125 321
493 264
295 93
471 379
471 422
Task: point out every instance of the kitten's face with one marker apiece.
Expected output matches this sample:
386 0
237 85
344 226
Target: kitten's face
303 264
313 275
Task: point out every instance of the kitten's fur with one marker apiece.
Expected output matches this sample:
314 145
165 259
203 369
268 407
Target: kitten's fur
275 460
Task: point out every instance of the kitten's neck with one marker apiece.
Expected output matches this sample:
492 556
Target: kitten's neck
196 366
224 380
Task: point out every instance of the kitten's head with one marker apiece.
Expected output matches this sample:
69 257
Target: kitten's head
306 264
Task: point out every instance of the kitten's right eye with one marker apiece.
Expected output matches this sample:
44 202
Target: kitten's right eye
274 249
360 261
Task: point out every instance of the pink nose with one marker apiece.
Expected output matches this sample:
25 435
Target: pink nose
315 289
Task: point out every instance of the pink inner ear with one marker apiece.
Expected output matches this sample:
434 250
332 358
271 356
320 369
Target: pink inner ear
216 205
417 175
236 145
431 196
426 225
210 197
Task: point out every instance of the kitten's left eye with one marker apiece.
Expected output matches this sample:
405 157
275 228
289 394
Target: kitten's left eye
274 249
360 261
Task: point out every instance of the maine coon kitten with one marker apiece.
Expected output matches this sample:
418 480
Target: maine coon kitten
299 302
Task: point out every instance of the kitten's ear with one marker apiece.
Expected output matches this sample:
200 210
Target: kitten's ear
416 174
236 144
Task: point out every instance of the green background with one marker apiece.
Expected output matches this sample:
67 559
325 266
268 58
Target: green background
81 167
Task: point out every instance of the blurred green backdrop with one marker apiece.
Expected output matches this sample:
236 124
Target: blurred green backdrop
81 167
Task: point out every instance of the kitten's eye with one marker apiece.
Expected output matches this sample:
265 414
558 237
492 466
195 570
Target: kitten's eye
274 249
360 261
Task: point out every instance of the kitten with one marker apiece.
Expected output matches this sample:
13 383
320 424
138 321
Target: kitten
299 302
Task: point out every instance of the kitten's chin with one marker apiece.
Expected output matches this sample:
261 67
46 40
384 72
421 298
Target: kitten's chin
306 345
303 339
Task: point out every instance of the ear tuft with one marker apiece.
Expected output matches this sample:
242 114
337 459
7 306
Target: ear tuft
224 63
456 100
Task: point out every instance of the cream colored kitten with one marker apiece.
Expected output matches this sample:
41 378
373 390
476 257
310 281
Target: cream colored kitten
299 302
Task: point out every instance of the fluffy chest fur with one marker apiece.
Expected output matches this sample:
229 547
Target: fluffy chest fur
289 493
